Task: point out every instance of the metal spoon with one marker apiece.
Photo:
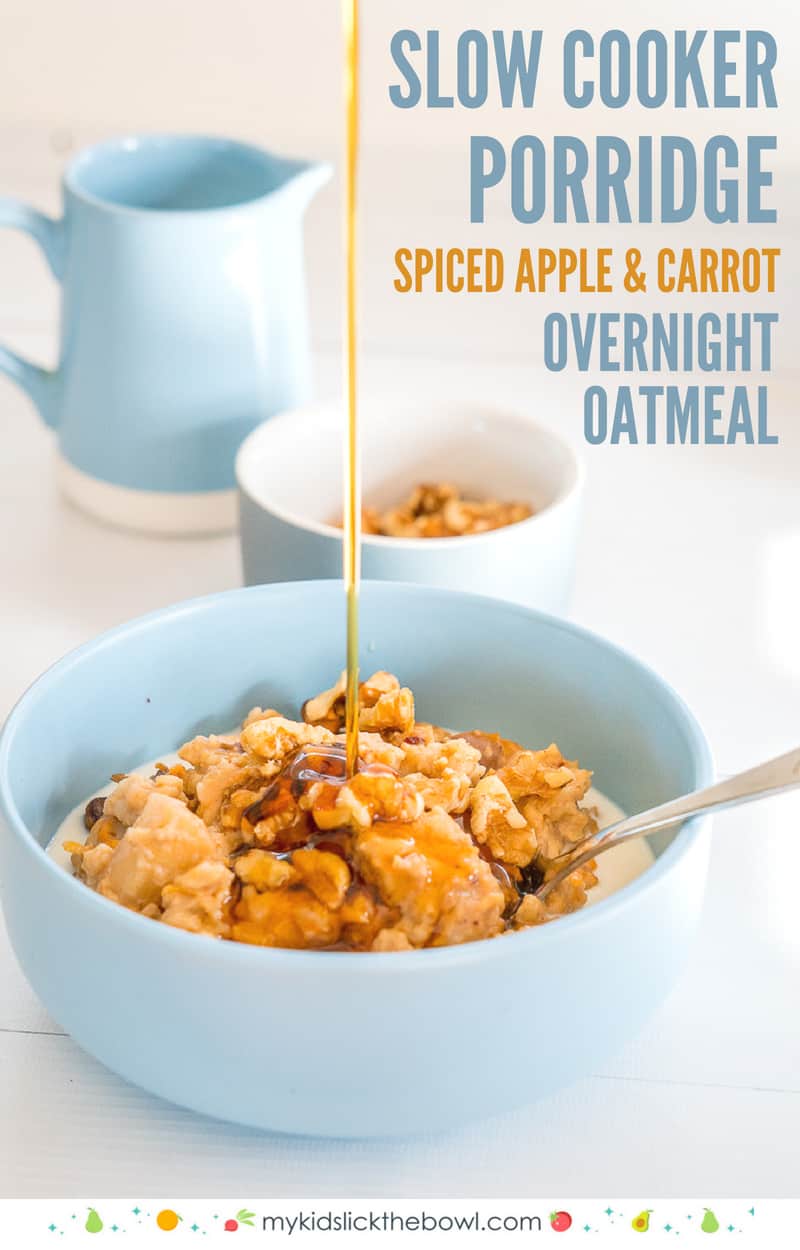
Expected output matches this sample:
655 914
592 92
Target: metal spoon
757 783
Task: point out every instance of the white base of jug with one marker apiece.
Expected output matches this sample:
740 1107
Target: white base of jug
149 511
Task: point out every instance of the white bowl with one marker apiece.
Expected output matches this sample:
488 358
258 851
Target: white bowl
290 488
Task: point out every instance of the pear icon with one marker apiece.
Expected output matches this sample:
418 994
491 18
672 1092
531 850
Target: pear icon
710 1222
93 1223
641 1222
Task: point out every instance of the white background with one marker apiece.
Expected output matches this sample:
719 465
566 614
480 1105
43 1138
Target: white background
690 558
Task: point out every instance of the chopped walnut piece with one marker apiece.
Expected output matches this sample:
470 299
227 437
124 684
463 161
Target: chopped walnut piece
273 739
383 705
373 749
291 917
547 790
367 797
326 875
264 870
327 709
495 751
362 918
450 792
232 772
258 713
497 823
391 712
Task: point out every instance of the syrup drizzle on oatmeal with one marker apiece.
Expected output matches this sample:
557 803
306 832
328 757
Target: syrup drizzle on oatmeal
352 480
326 764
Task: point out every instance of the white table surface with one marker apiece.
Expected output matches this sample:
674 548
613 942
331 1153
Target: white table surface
691 560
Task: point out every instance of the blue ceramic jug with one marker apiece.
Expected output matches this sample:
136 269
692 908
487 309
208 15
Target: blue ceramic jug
184 321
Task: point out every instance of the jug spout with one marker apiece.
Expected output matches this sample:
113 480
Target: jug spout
302 179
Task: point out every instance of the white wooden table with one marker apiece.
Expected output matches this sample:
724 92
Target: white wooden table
690 560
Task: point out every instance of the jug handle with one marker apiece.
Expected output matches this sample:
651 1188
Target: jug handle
38 383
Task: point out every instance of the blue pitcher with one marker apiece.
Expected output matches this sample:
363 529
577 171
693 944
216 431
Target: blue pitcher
184 321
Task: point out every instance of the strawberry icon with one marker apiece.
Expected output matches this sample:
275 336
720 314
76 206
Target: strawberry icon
242 1217
560 1221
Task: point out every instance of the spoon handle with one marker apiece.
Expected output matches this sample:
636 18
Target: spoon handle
779 774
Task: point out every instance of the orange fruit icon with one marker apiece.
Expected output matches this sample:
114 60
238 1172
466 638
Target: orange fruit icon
167 1220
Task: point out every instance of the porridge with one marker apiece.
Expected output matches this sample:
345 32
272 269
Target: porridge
258 836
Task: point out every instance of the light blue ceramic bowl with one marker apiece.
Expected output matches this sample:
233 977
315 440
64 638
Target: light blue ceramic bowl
339 1044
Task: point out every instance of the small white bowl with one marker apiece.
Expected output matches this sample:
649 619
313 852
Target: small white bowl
289 473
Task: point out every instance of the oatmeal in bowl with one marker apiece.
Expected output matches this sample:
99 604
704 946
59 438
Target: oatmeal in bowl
258 836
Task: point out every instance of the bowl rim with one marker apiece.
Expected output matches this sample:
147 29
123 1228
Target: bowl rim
223 953
251 446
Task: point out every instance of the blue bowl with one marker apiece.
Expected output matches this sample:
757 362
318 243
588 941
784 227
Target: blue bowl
339 1044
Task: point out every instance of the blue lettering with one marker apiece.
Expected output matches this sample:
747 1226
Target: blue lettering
402 40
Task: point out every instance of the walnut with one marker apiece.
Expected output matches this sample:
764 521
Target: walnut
453 756
362 918
373 749
264 870
393 711
383 705
325 874
265 832
258 713
273 739
214 789
204 753
327 709
367 797
289 917
495 752
450 792
439 510
547 790
497 823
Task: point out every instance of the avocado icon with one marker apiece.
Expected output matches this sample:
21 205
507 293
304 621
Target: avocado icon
94 1224
710 1222
641 1222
